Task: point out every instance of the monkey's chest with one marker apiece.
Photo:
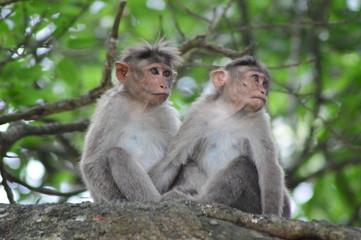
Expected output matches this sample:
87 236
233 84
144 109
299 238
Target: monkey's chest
220 148
145 144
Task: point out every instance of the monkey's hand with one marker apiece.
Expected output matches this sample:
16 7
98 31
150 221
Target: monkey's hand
188 191
163 175
176 194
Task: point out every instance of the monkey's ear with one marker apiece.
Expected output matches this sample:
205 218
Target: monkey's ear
219 77
122 70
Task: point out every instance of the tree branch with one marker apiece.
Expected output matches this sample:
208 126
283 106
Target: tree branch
112 48
333 166
41 111
192 43
200 40
247 36
281 227
20 130
225 51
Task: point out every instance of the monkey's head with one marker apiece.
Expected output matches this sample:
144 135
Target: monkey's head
148 71
244 82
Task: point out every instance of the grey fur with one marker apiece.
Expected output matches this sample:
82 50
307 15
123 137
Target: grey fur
225 156
125 140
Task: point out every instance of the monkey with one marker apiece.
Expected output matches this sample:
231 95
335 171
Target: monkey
132 125
224 151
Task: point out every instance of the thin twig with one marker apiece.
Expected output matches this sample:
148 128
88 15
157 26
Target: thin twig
41 43
299 24
213 25
200 40
224 51
22 44
10 2
65 29
118 17
202 65
42 190
3 149
172 10
292 64
298 97
195 15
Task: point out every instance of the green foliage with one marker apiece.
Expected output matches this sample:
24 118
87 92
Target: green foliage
56 50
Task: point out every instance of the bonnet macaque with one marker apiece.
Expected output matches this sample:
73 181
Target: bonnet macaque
224 151
131 126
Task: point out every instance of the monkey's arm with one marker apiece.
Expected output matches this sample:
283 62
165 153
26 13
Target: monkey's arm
180 148
286 208
130 178
163 175
271 177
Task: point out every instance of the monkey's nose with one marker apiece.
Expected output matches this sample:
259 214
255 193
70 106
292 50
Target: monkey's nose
163 86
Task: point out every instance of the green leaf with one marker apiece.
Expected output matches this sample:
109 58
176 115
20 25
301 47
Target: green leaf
82 43
68 71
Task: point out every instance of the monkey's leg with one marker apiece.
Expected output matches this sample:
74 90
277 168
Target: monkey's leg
235 186
131 179
100 182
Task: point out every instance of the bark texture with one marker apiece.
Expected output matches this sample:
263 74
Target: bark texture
164 220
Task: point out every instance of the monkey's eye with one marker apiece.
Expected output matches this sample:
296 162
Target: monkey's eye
255 77
265 85
154 71
166 73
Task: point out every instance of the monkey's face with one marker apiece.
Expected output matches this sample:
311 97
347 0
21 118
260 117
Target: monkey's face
156 83
250 91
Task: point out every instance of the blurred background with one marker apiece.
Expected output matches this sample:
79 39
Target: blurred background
52 54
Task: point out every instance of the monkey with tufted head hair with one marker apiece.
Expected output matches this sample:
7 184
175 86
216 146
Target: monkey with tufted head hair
224 151
131 126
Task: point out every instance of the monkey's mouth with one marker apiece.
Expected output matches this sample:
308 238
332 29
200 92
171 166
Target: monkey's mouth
261 98
160 94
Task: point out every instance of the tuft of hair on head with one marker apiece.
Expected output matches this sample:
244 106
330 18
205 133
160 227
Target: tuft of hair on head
247 61
160 51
